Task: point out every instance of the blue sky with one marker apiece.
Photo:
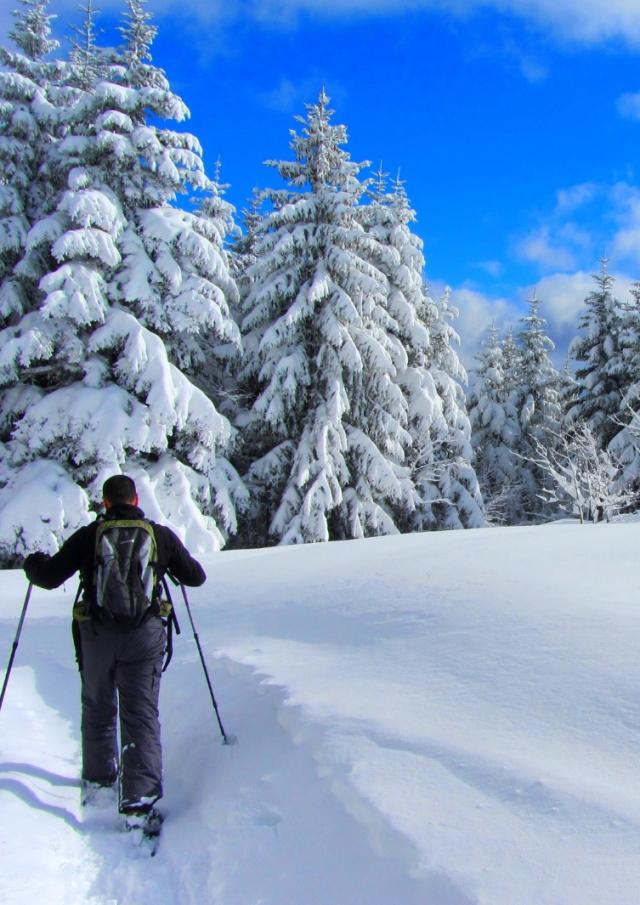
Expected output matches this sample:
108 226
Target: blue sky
515 124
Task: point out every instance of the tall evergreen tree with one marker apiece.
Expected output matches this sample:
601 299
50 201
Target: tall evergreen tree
495 431
601 384
30 123
131 283
624 444
540 409
220 346
398 254
429 372
31 31
453 495
536 399
329 420
88 61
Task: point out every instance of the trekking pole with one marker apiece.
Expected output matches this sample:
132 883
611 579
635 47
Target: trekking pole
226 739
15 644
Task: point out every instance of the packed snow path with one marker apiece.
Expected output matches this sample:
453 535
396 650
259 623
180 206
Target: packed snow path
440 719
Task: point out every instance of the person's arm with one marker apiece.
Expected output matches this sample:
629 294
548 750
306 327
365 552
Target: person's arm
50 571
179 562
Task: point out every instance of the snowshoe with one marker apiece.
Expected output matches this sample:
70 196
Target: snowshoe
145 828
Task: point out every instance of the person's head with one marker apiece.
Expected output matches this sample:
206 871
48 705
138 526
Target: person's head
119 489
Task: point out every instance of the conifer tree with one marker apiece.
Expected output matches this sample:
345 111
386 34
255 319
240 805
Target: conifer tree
536 399
131 284
540 410
625 444
89 62
244 248
31 31
329 420
218 356
630 344
30 123
600 374
456 498
429 372
495 431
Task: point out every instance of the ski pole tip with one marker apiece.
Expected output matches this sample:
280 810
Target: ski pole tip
230 739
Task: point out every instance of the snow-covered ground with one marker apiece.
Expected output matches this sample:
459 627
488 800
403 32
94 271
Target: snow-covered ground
438 719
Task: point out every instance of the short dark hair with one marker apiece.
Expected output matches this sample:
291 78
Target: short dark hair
119 489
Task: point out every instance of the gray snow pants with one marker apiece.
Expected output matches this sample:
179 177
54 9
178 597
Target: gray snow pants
122 668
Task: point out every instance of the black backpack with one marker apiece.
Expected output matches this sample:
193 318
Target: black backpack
126 584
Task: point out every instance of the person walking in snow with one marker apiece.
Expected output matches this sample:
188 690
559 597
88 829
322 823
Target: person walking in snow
120 639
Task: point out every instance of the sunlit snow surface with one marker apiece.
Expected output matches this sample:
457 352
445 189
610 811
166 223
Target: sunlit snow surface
437 719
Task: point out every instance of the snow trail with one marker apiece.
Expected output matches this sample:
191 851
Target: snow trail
235 833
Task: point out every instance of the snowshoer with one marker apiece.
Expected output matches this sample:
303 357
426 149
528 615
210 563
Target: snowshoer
120 642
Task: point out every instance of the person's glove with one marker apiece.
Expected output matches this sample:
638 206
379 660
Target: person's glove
32 562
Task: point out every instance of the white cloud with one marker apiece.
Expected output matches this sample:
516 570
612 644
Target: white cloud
290 96
577 236
477 312
629 105
624 247
586 21
493 268
284 97
561 296
539 247
568 237
579 20
582 20
575 197
626 244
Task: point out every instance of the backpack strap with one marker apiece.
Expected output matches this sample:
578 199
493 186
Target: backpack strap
75 628
172 623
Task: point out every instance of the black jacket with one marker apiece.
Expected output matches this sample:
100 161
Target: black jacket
78 552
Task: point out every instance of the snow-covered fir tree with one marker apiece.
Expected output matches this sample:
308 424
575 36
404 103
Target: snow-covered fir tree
541 410
601 377
428 369
536 399
93 376
515 406
31 118
219 346
31 31
495 431
329 419
89 61
452 497
625 444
